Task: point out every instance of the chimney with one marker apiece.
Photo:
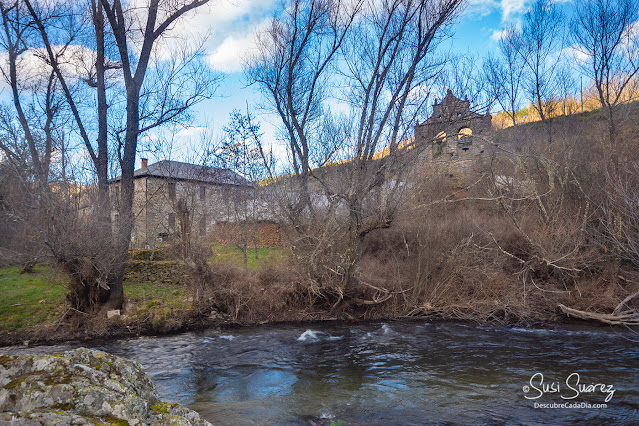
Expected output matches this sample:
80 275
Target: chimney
145 163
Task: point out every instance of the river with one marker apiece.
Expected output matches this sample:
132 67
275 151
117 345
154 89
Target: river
406 372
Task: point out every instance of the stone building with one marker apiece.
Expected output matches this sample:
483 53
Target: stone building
449 135
171 198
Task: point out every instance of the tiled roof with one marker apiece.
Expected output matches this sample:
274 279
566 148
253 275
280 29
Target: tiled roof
177 170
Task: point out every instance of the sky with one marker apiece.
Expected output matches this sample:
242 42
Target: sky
227 29
231 26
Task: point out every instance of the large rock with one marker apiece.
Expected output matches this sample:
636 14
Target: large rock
82 387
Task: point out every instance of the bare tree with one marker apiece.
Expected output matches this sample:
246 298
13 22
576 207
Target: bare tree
159 17
464 76
566 83
381 53
17 40
504 74
607 33
30 133
296 53
243 152
388 62
539 45
83 57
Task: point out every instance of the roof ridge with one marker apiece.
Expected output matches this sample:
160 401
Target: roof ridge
191 164
179 170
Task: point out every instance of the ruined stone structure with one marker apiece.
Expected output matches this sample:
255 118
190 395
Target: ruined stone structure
172 197
448 134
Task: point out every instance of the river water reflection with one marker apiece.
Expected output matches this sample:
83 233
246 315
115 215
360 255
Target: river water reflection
394 373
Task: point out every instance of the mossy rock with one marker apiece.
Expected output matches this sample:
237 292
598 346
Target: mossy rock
83 387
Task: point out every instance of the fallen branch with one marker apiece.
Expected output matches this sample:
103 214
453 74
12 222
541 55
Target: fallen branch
372 302
625 301
620 318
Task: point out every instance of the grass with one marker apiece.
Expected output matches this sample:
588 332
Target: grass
232 255
152 295
29 299
35 299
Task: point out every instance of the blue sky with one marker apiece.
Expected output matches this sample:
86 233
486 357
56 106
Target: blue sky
231 25
227 29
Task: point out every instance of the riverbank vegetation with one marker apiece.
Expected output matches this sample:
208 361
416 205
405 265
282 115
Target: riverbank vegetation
528 228
159 299
536 221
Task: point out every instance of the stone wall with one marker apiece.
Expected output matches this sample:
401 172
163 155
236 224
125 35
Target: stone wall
452 138
159 216
267 234
160 272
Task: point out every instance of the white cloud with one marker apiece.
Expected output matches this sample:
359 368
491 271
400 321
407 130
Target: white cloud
512 8
577 54
481 7
219 26
33 72
497 35
190 132
229 55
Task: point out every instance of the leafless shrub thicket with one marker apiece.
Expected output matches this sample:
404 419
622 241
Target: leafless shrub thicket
536 228
620 216
384 53
274 292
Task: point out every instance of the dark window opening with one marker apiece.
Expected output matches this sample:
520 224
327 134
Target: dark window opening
202 193
172 190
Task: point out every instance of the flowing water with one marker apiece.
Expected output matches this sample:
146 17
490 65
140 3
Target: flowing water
395 373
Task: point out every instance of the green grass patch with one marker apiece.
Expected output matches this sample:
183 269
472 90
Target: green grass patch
157 304
36 299
232 255
153 294
29 299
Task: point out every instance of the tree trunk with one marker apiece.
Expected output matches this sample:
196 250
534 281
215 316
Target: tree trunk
245 255
353 254
125 229
102 163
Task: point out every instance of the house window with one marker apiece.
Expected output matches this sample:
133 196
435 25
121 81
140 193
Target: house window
171 220
172 190
202 226
202 193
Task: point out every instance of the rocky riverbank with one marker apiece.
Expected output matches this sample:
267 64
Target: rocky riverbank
83 387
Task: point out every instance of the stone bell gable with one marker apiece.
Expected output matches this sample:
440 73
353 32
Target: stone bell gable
448 134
